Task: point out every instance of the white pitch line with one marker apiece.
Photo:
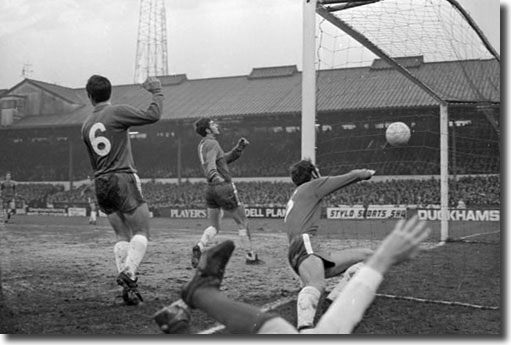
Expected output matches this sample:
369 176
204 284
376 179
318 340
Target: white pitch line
480 234
423 300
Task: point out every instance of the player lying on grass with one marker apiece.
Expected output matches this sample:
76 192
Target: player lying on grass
221 194
117 186
202 292
305 254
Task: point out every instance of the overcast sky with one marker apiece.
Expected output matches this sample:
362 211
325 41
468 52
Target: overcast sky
65 41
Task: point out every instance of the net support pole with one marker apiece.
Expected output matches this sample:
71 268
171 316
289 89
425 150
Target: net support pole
308 129
70 162
179 159
444 172
476 28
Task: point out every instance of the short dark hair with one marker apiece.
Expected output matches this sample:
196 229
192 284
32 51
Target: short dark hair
201 125
301 172
98 88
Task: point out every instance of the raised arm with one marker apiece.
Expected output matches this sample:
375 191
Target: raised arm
329 184
235 153
128 116
349 307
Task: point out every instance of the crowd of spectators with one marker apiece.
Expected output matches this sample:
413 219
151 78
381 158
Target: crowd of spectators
473 190
166 148
37 194
270 153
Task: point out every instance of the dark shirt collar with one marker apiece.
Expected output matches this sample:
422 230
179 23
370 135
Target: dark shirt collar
101 105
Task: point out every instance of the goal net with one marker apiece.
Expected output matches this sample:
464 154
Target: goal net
422 62
425 63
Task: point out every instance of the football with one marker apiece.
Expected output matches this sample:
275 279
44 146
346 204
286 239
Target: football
398 134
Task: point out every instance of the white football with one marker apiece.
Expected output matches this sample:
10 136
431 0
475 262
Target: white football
398 133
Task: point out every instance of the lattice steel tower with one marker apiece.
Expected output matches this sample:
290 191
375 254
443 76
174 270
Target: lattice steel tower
151 57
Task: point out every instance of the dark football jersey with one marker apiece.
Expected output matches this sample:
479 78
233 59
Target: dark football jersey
106 136
213 159
8 189
304 207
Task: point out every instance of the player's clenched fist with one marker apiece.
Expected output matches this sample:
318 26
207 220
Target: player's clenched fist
242 143
152 84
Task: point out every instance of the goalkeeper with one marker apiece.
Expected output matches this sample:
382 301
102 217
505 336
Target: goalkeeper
348 308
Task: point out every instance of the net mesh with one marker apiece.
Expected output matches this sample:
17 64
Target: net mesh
412 32
421 45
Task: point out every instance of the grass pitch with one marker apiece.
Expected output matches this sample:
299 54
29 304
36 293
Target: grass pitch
58 278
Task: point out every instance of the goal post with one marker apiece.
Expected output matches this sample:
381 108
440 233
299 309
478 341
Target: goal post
308 128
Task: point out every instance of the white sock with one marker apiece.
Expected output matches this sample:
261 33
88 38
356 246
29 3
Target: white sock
93 216
207 236
246 244
120 253
307 304
136 252
180 303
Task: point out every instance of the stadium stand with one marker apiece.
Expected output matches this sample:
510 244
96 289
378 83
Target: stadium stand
41 123
474 190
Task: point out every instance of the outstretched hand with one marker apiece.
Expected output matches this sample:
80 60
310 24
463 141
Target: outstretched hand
152 84
364 174
401 244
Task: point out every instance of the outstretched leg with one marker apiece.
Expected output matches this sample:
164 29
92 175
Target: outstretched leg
203 293
347 263
345 258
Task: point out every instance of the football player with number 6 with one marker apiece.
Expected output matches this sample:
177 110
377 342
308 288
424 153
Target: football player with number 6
118 189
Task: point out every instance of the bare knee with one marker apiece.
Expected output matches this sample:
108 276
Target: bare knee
320 285
239 217
214 216
122 237
312 273
138 221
